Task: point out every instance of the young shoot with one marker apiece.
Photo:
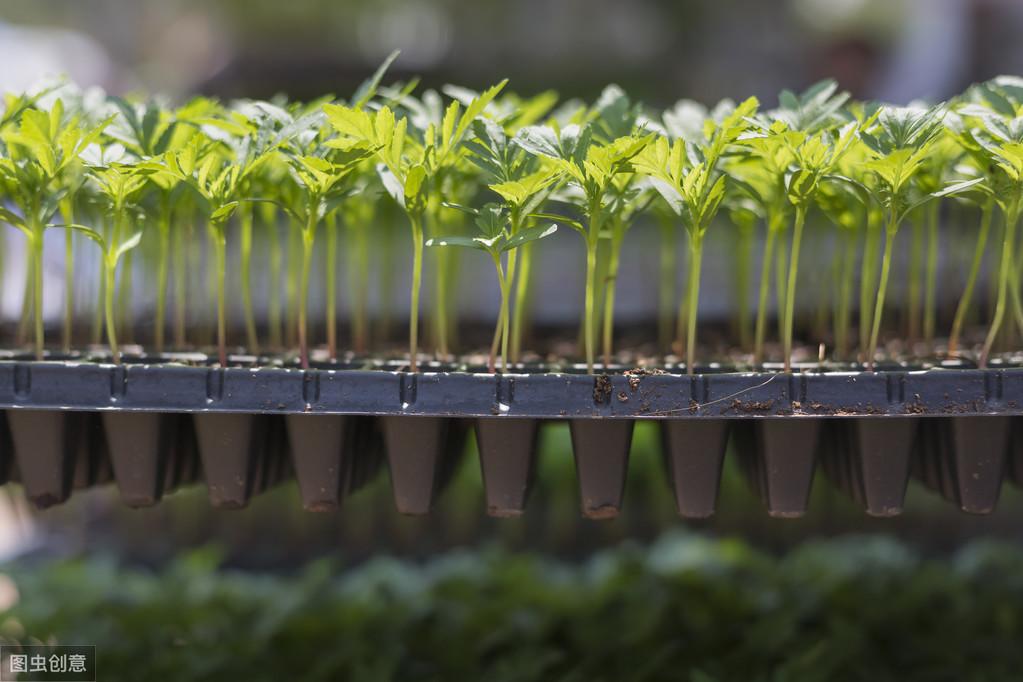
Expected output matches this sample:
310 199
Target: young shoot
40 149
409 168
494 224
690 180
899 145
590 169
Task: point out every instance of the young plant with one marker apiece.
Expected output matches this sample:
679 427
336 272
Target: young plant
218 177
590 169
40 149
999 141
409 168
147 130
899 145
523 185
120 185
690 180
793 148
320 173
494 223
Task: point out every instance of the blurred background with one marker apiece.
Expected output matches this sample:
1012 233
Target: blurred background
659 51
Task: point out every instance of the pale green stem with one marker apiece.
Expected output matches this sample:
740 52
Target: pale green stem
610 286
695 260
291 284
109 275
915 261
245 219
1004 280
522 290
162 272
886 265
182 238
760 329
220 253
589 329
308 240
68 215
666 279
971 280
417 280
790 288
868 268
844 321
744 258
931 291
332 285
37 289
274 293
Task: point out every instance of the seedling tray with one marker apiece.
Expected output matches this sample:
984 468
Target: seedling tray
153 427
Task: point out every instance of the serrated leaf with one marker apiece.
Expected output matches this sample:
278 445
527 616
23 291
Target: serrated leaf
526 235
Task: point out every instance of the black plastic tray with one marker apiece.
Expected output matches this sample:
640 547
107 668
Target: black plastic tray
176 388
152 428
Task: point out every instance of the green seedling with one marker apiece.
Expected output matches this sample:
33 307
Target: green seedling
690 180
496 238
590 169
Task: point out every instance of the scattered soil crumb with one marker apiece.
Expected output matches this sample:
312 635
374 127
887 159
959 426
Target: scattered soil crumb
636 375
602 389
753 405
623 397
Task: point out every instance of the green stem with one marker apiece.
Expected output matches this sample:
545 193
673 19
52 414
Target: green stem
844 321
37 289
359 279
695 260
331 301
124 298
868 268
182 238
245 220
760 330
109 274
971 279
162 272
291 284
416 222
666 278
308 240
610 285
522 291
790 287
589 329
220 253
931 290
891 228
744 259
681 320
269 216
25 320
780 270
1004 277
68 214
505 284
915 262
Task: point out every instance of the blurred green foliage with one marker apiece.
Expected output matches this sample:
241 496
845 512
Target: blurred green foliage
684 608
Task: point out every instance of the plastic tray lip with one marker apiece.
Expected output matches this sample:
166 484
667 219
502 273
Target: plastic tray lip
171 387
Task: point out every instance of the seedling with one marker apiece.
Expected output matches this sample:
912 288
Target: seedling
497 238
899 145
591 169
689 179
40 149
409 168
